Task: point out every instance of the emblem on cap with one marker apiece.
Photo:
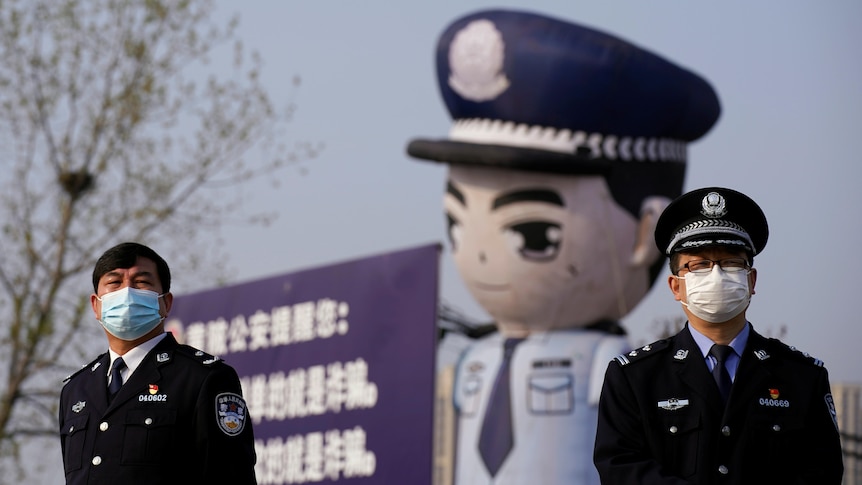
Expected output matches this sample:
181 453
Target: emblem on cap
713 205
476 60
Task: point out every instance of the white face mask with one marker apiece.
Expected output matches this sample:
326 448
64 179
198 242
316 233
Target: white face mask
717 296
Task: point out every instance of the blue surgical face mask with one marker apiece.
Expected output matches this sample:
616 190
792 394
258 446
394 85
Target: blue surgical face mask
130 313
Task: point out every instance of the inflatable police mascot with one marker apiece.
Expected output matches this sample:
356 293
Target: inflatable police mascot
567 144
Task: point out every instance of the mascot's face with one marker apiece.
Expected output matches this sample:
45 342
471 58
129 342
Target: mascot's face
542 251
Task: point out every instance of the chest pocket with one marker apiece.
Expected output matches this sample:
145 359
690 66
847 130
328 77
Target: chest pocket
73 434
680 443
149 436
551 394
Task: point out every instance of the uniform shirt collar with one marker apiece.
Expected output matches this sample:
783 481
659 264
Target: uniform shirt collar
704 343
738 345
134 357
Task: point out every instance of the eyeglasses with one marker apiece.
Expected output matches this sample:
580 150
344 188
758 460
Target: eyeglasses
728 265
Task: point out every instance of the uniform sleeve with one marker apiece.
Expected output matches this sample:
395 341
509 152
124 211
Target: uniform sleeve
622 453
223 430
826 465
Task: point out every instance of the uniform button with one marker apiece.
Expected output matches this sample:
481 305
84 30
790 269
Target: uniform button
103 426
673 429
725 430
723 470
97 460
776 427
148 421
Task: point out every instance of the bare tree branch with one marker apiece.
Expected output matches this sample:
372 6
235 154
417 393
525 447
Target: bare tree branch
111 129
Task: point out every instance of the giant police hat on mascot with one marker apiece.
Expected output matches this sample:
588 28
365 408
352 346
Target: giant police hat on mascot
531 92
712 216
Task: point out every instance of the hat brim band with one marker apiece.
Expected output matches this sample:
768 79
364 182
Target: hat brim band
709 233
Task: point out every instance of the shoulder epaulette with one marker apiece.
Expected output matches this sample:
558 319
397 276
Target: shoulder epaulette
198 355
89 364
803 355
641 353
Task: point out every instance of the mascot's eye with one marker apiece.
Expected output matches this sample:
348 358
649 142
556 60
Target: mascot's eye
537 240
454 231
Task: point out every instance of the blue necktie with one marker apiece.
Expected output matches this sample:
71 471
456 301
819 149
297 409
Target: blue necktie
719 372
496 438
116 378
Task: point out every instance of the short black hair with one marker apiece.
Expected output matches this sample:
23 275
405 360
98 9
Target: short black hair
124 256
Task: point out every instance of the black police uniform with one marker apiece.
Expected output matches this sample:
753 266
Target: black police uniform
180 418
661 418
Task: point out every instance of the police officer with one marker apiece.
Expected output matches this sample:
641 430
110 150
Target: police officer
717 402
150 410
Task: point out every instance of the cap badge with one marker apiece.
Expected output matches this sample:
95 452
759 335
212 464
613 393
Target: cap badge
713 205
476 60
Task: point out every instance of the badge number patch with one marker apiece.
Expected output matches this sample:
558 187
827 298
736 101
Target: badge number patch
230 413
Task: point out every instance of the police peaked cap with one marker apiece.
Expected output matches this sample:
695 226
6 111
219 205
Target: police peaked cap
530 92
712 216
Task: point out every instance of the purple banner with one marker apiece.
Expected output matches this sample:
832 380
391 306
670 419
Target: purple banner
336 364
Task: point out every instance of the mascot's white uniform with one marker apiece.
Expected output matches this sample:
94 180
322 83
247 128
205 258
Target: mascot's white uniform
567 145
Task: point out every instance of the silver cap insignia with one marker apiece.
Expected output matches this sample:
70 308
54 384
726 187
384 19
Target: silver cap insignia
713 205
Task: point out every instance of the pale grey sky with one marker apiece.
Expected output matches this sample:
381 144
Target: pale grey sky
788 74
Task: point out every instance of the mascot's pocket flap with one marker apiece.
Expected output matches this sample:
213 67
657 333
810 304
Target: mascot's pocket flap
551 394
550 384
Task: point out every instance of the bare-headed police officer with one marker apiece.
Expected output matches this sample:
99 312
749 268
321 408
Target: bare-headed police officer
716 403
150 411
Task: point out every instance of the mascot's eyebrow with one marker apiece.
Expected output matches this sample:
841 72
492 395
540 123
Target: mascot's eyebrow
530 195
451 189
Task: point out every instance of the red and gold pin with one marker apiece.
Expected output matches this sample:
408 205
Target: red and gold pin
154 388
773 393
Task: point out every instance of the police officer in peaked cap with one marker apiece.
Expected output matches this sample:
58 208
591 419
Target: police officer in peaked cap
717 402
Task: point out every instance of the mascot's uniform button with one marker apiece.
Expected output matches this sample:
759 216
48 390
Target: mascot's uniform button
97 460
103 426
